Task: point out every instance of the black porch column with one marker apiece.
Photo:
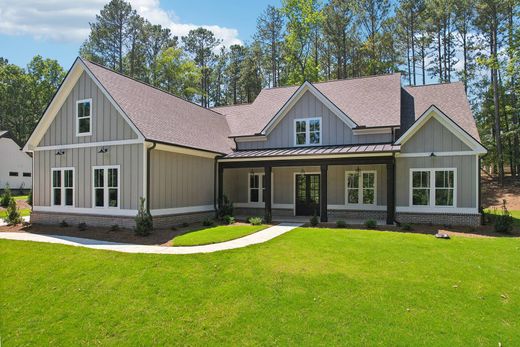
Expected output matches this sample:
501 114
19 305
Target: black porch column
220 185
390 195
267 194
323 190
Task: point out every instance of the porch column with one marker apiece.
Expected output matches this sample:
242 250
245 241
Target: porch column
267 194
323 189
390 192
220 185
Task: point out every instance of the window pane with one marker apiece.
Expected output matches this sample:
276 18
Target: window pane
300 139
68 196
421 179
353 180
56 178
57 196
98 178
353 196
81 112
314 125
421 197
368 196
112 178
99 197
444 197
254 195
86 109
314 137
84 125
368 179
300 126
112 197
444 179
253 181
68 179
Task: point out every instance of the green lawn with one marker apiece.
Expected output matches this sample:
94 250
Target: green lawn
307 287
216 234
24 212
21 197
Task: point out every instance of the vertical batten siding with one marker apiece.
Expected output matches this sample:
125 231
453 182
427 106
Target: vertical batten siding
466 177
129 157
107 124
334 130
433 137
180 180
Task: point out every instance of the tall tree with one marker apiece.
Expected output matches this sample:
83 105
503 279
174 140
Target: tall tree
269 33
464 17
158 39
200 43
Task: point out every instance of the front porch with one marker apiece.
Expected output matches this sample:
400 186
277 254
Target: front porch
352 189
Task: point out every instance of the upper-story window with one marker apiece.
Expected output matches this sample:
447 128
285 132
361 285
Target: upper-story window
307 131
84 117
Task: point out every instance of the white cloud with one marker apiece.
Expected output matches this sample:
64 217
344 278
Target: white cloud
68 21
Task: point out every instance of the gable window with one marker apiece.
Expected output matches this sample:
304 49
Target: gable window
62 187
84 117
360 187
307 131
433 187
105 186
256 187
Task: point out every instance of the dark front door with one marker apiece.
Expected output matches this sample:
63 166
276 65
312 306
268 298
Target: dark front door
307 194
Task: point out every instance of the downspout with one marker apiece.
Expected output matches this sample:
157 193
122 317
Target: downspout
215 181
148 170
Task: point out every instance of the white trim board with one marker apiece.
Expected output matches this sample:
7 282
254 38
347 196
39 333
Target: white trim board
434 112
182 150
306 86
436 154
89 144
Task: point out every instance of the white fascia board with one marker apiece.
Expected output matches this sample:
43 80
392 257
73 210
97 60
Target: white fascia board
183 150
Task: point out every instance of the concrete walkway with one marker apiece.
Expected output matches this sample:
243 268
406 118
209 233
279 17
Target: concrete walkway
258 237
25 219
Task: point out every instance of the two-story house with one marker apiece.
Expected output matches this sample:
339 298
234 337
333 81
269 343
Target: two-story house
355 149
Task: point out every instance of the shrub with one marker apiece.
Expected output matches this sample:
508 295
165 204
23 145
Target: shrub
207 222
143 220
6 197
228 220
255 220
314 220
406 226
370 224
503 220
82 226
341 224
13 214
64 224
114 227
29 197
225 208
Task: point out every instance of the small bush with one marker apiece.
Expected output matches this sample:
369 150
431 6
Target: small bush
228 220
314 220
82 226
256 220
341 224
29 197
114 227
225 208
406 226
370 224
64 224
143 220
207 222
6 197
503 220
13 214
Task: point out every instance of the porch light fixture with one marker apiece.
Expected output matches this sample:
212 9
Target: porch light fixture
103 150
60 152
432 155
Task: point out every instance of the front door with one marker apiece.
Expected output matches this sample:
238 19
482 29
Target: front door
307 194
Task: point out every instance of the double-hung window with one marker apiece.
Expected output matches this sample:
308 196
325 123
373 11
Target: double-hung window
433 187
62 187
307 131
84 117
360 187
106 186
256 187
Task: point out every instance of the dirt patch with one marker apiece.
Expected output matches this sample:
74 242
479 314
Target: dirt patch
21 204
493 194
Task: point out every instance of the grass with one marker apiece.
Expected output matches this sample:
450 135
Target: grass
21 197
24 212
215 234
307 287
514 213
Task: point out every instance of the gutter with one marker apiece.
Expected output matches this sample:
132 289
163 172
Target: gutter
215 181
148 169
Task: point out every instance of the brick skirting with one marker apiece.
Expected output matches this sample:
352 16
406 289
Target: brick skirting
473 220
357 215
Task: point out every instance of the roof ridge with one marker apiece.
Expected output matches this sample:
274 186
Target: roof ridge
149 85
433 84
222 106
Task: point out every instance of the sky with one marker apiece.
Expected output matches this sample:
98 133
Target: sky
57 28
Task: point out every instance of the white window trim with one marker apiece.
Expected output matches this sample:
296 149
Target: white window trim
105 187
90 117
260 189
431 203
307 132
62 169
360 189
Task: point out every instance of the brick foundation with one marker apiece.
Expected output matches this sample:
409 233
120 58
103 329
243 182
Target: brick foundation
357 215
439 219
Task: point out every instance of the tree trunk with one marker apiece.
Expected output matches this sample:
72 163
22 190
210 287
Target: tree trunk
412 37
494 82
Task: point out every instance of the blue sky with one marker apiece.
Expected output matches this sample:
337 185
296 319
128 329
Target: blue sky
55 29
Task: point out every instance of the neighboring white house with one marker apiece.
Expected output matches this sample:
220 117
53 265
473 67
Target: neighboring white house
15 164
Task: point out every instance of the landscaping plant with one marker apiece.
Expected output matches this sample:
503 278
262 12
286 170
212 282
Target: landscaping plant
314 220
13 215
255 220
228 220
207 222
225 208
370 224
341 224
30 198
143 220
503 220
5 199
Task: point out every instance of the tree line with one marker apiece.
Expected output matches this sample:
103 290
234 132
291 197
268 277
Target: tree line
472 41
